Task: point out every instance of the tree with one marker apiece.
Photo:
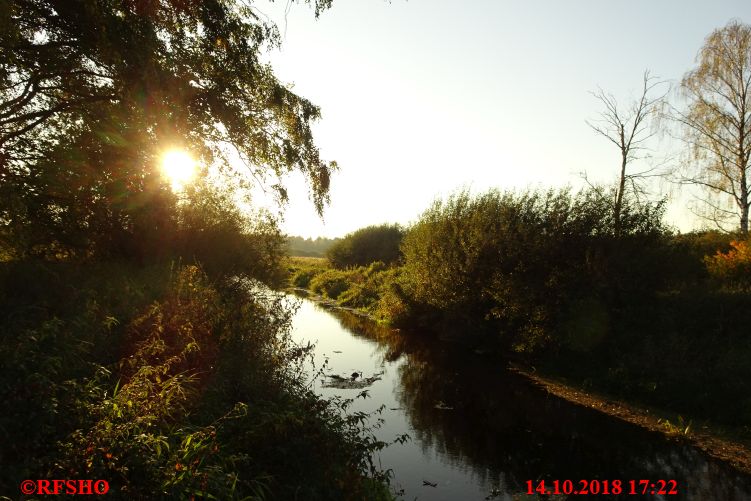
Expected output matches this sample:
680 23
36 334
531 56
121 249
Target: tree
628 130
716 123
367 245
91 93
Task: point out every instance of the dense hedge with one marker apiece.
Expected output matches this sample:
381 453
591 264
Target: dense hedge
519 267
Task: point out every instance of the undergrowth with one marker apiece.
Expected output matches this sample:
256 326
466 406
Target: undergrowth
168 385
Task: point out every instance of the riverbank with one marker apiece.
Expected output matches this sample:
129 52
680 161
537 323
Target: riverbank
724 445
330 303
166 382
466 414
699 401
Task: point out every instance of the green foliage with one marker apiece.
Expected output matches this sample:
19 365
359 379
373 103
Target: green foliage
92 94
685 348
61 323
687 254
522 264
367 245
370 289
331 283
302 278
167 384
366 286
224 240
302 270
686 351
309 247
393 306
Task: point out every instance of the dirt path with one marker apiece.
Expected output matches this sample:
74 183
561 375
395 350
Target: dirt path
734 452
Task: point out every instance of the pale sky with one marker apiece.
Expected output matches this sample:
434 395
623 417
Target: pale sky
422 97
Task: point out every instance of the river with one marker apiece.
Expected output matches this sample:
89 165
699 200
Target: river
479 432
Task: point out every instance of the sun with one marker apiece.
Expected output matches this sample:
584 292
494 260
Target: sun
179 167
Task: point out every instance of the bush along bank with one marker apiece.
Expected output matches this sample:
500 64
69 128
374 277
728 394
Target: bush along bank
167 384
542 278
366 289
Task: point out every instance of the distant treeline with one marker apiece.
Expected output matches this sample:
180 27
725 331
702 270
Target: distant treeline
543 277
309 247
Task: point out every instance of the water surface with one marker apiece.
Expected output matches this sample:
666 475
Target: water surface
480 432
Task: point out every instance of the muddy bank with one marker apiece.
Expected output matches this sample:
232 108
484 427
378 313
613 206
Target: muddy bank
713 442
719 444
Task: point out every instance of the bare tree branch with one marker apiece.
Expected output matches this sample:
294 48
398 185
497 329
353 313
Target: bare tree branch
627 130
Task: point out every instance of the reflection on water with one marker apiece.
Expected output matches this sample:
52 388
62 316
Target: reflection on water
479 432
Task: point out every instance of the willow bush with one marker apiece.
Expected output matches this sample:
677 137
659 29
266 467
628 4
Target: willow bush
522 264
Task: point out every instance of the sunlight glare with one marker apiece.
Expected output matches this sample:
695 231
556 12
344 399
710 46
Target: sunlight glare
178 167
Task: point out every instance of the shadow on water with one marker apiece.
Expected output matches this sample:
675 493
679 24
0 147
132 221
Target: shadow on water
481 432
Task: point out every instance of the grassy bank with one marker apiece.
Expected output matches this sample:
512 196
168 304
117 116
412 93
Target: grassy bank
167 384
364 288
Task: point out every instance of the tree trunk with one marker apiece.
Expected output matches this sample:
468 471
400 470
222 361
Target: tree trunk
621 188
744 203
743 164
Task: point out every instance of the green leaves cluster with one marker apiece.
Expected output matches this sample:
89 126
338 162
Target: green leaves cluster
522 263
169 384
365 288
367 245
91 94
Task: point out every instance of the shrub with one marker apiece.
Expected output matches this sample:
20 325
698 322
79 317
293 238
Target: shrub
226 242
303 269
394 307
367 245
732 268
366 286
169 384
331 283
302 278
519 264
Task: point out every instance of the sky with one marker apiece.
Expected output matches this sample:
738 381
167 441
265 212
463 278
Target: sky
421 98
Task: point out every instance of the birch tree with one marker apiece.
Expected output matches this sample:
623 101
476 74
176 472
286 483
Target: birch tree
716 123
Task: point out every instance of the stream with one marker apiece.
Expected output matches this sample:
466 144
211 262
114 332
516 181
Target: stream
480 432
